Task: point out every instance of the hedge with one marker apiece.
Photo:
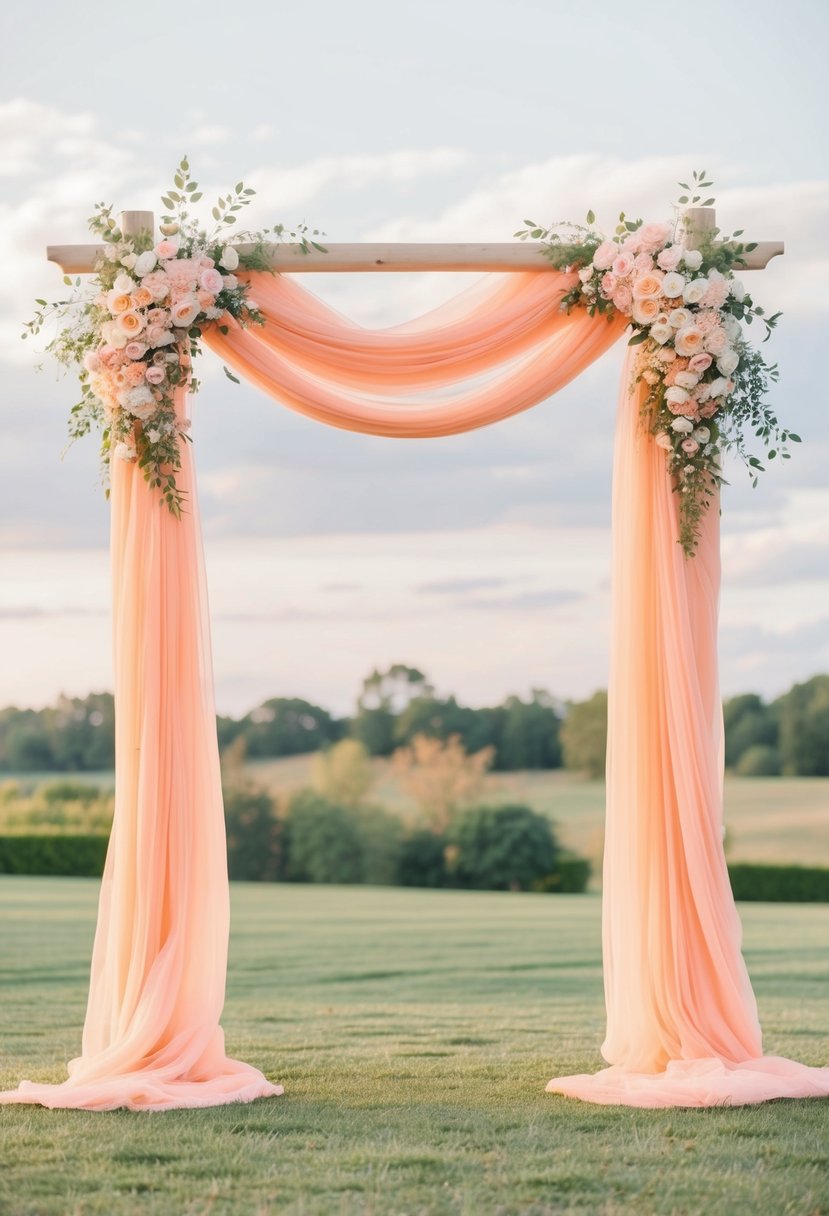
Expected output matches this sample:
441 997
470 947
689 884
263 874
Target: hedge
79 856
779 884
570 877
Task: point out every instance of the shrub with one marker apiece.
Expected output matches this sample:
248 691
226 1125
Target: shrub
380 837
79 856
321 842
503 848
759 760
254 835
570 877
779 884
422 860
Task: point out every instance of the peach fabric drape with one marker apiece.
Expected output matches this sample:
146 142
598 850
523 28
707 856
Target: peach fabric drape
682 1026
152 1038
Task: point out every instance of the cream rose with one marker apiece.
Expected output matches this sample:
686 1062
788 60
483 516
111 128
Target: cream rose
124 284
144 263
230 258
661 332
680 317
672 285
185 311
702 434
688 340
692 259
693 292
687 379
676 395
683 426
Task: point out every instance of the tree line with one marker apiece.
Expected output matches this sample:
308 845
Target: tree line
786 736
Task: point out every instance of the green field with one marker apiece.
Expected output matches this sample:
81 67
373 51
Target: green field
414 1032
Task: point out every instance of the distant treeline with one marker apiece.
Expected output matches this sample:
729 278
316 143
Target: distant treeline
788 736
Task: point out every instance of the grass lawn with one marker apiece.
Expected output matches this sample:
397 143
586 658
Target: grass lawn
414 1032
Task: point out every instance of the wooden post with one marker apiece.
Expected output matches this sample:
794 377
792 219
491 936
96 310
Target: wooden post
699 224
133 223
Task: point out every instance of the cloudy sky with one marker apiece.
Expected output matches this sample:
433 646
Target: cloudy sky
482 558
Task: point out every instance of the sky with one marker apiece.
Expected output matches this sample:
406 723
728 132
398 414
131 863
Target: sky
483 559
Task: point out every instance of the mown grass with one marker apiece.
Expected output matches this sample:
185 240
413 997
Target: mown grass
414 1032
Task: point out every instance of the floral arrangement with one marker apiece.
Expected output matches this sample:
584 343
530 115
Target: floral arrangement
706 385
133 331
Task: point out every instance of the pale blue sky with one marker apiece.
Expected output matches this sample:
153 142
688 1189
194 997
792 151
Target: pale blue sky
483 558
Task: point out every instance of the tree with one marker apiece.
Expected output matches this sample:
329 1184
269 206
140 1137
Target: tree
503 848
440 776
422 860
584 735
254 835
530 731
385 695
343 774
749 723
803 714
287 726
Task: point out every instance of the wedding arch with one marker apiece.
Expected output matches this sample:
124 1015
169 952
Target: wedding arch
682 1025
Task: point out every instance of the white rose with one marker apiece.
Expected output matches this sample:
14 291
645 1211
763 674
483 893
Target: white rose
672 285
676 395
229 281
129 261
687 379
586 274
683 425
229 259
144 263
727 362
112 253
680 317
718 387
693 292
124 452
660 332
153 436
702 434
692 259
124 284
738 290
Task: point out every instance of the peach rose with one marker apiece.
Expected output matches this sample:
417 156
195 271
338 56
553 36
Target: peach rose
130 323
185 311
118 302
134 373
141 298
688 340
648 286
645 310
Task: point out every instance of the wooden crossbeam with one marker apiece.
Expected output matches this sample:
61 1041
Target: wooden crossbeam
364 257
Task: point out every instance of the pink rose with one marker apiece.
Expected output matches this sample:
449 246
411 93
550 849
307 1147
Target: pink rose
709 409
159 335
602 258
716 341
156 374
643 262
632 244
700 364
689 446
622 265
157 284
183 272
670 258
166 249
135 350
716 294
608 283
91 361
211 280
653 237
206 263
622 298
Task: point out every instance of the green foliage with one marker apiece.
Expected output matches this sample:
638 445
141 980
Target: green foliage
502 848
570 877
804 728
78 856
779 884
254 835
380 840
584 736
422 860
322 842
286 726
759 760
748 722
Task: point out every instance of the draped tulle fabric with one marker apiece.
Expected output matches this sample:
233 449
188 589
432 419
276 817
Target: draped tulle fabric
328 368
152 1038
682 1026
